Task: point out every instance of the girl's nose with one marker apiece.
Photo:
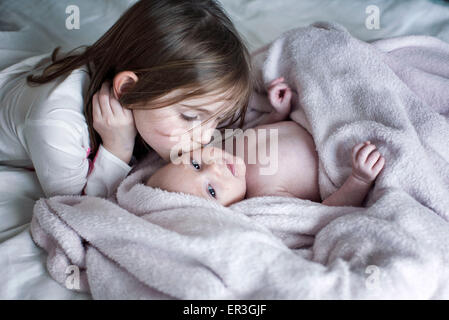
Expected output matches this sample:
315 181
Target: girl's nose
202 139
207 131
206 136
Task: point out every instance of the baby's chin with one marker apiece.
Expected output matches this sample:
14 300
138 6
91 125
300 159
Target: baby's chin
240 196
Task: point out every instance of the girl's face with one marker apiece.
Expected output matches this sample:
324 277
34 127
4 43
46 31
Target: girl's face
166 129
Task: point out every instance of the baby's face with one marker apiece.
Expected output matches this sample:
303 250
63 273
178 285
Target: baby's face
210 173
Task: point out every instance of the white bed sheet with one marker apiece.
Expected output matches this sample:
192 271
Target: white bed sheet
33 27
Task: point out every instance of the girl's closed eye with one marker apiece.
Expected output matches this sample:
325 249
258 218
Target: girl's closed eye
189 117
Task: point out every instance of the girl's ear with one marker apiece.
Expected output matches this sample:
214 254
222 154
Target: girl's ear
122 81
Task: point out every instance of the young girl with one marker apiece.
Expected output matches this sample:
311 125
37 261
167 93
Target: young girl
163 66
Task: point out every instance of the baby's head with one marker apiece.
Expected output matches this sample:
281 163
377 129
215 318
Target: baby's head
209 173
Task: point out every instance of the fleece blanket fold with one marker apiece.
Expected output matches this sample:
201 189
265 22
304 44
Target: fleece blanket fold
147 243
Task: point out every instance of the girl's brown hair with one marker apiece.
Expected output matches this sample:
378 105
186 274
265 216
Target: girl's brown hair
169 44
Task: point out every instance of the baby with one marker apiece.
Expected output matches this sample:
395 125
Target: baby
228 177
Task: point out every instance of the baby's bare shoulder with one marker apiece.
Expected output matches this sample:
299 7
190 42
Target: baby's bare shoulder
289 134
282 126
295 163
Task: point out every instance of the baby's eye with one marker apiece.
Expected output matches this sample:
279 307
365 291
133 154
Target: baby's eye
188 117
211 191
195 164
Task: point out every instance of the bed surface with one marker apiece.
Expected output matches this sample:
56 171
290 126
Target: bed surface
34 27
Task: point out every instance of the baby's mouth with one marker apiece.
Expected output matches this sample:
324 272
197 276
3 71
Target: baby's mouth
231 168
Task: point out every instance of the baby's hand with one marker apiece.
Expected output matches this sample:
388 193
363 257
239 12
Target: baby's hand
280 96
366 162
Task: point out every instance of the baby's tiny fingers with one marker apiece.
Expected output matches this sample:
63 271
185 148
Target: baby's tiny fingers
372 158
365 151
379 165
355 150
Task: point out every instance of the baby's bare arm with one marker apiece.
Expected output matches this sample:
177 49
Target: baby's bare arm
366 165
351 193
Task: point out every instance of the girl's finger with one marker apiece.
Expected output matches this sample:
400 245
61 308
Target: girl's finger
128 112
104 100
96 111
116 107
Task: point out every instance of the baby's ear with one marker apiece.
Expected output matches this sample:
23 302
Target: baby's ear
275 82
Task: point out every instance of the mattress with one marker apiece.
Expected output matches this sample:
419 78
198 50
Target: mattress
33 27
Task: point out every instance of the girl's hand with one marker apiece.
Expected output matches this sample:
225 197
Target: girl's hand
280 95
113 123
366 162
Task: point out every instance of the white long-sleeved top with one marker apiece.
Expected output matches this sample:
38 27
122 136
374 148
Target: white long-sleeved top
43 127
